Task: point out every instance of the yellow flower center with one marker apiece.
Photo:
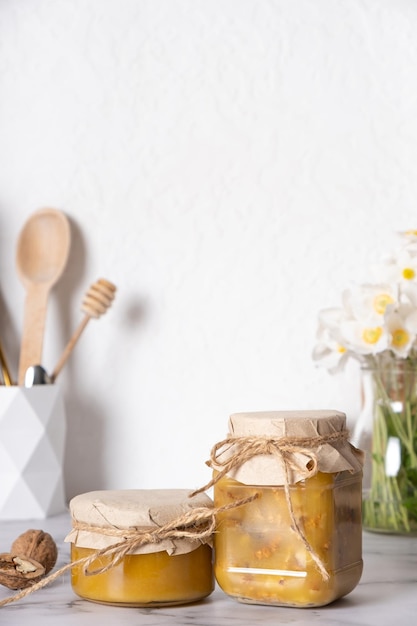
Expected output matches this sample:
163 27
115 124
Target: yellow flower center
408 273
411 232
341 349
372 335
381 301
400 338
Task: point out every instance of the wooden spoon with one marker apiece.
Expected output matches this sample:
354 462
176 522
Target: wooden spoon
42 254
96 302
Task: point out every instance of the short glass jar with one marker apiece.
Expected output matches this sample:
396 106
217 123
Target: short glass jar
166 566
299 542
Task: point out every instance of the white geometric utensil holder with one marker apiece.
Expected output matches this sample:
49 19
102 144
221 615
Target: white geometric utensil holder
32 447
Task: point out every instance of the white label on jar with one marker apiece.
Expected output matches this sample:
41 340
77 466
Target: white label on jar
268 572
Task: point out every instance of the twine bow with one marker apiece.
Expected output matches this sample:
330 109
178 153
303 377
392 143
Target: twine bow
242 449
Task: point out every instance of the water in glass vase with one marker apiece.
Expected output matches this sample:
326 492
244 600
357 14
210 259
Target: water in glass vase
387 430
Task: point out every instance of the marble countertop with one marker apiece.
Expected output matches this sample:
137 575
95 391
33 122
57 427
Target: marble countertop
386 594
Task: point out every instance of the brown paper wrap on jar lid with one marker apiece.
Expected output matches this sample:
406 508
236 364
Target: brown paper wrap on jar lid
96 513
313 441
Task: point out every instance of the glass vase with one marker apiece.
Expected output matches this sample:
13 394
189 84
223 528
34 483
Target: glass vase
387 431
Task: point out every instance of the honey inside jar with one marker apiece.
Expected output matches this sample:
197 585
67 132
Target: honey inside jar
147 579
142 547
259 557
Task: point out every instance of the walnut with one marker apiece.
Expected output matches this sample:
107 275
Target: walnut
19 572
37 545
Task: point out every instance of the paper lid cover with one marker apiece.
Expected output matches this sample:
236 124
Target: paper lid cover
330 456
133 509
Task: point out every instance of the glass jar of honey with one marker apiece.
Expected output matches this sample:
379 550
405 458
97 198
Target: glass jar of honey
298 542
141 548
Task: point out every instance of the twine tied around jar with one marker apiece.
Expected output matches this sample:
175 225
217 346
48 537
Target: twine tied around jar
198 524
284 449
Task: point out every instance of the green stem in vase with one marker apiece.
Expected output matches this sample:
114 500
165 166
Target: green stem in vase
387 512
392 502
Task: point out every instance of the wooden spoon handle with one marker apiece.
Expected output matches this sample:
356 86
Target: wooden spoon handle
33 328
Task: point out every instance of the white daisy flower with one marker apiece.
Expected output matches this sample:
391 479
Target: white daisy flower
401 335
368 302
401 268
330 351
410 236
363 338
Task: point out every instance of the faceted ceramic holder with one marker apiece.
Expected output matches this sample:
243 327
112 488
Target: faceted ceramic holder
32 445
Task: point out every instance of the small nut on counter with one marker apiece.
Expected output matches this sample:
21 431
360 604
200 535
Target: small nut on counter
19 572
32 555
37 545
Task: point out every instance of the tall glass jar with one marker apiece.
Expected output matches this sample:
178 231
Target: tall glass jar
299 541
387 430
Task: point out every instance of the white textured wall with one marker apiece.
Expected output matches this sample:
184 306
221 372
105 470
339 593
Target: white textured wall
231 165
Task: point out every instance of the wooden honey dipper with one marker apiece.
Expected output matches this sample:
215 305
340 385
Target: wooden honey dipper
96 302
